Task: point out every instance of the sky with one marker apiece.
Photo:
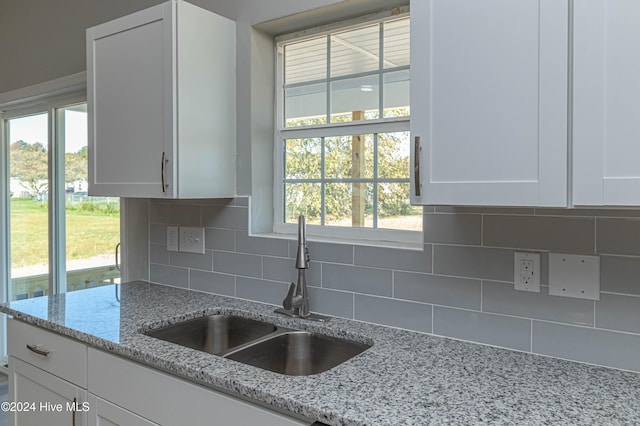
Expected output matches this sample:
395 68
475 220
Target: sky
33 128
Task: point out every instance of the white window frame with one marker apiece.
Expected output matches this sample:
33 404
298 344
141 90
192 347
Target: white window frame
373 236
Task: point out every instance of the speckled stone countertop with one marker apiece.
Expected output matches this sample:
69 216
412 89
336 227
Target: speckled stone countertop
405 378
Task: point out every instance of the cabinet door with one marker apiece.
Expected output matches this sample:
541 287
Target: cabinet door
130 91
53 399
171 401
103 413
606 102
489 101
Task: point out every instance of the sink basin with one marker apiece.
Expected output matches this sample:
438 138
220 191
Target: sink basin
298 353
215 334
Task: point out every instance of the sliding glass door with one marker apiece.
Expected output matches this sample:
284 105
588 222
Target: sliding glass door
28 205
92 223
60 239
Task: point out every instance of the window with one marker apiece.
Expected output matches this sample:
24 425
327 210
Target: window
342 136
58 238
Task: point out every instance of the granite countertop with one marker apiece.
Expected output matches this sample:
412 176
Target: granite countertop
405 378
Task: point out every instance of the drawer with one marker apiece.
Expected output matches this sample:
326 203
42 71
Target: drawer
60 356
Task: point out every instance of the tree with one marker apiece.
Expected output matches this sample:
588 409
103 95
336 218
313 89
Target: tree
30 165
304 161
76 166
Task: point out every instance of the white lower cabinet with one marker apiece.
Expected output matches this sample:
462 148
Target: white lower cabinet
54 380
104 413
41 398
168 400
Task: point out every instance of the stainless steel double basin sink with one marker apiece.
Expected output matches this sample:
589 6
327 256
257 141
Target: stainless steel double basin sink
261 344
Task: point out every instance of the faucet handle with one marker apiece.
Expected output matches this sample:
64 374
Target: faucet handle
287 303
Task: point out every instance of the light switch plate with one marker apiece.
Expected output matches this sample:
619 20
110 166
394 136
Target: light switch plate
574 275
191 239
172 238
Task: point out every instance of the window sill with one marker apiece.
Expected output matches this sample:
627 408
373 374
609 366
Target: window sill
414 246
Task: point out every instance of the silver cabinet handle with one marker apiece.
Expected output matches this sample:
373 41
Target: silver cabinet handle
416 164
117 252
162 168
34 348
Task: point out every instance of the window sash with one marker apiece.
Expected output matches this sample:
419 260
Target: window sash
373 127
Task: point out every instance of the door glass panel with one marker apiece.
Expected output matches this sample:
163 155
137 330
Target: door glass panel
28 206
92 223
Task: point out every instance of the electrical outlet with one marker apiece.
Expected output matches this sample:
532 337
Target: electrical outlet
172 238
526 271
191 239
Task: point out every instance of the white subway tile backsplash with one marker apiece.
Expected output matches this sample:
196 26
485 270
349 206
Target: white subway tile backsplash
498 330
601 347
212 282
230 217
158 254
158 233
564 234
617 312
473 262
247 265
261 290
325 252
192 260
388 258
620 274
257 245
170 275
486 210
436 289
172 214
357 279
464 229
501 298
284 269
618 236
331 302
395 313
460 286
220 239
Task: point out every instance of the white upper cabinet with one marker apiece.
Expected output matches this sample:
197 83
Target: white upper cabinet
489 102
162 104
606 102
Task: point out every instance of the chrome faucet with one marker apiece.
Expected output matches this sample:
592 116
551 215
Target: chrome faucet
297 298
296 303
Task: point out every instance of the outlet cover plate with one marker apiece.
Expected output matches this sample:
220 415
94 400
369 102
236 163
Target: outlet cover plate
172 238
572 275
526 271
191 239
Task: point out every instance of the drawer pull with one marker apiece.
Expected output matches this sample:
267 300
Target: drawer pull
162 166
34 348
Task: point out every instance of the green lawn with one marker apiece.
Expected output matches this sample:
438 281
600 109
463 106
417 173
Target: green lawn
92 229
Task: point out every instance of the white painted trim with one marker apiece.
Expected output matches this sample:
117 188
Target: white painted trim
372 18
4 240
41 91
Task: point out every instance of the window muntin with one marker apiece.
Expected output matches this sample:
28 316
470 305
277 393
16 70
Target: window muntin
342 138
